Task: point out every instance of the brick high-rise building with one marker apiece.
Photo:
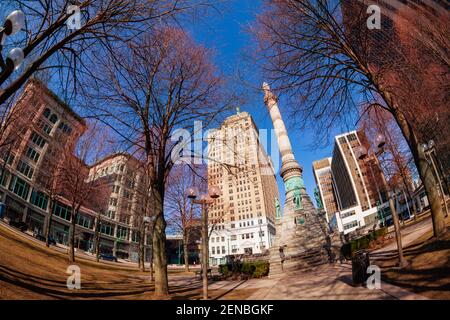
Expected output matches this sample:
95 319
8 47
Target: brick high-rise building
38 134
243 217
324 180
125 176
38 130
408 54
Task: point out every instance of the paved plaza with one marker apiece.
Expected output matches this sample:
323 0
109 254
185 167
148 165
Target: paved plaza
328 282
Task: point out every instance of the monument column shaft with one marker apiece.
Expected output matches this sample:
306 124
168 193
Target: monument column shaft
291 171
280 130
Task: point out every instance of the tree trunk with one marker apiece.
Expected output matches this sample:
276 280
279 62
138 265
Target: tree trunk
150 258
72 239
185 250
49 224
97 240
152 278
97 247
142 249
159 255
425 171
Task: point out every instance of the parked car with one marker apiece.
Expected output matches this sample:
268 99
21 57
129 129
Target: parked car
108 257
22 226
40 237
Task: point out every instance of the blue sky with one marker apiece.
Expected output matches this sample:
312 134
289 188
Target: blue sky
225 33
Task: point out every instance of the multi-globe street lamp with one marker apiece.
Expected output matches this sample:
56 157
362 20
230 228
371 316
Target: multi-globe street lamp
363 154
13 24
430 152
204 200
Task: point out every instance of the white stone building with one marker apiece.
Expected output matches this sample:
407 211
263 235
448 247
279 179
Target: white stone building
242 219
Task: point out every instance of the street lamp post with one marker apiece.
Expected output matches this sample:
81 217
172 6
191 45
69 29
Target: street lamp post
14 22
429 150
204 200
363 154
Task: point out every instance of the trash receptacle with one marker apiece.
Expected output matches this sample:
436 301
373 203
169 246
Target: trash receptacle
360 263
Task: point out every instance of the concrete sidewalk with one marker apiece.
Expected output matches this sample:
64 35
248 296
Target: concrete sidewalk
327 282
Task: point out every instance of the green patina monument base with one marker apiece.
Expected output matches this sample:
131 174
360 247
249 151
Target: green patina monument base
302 236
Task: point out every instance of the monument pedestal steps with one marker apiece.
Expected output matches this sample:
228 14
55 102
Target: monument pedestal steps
303 235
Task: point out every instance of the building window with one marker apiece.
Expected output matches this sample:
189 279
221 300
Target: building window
25 169
45 126
122 233
4 177
113 201
39 199
62 211
223 250
350 225
347 214
32 154
46 112
111 214
213 250
19 187
38 140
124 219
9 158
84 221
65 128
53 118
107 229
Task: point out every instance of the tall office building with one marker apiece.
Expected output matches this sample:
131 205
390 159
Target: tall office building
358 183
324 181
242 218
408 52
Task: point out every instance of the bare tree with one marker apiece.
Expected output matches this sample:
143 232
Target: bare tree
52 40
143 213
397 161
73 178
326 58
151 87
98 202
182 215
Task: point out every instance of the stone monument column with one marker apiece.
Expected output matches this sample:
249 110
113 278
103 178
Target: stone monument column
300 233
291 171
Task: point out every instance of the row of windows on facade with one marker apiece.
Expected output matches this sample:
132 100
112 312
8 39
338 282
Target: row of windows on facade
245 224
21 188
111 169
53 118
234 237
245 194
350 225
